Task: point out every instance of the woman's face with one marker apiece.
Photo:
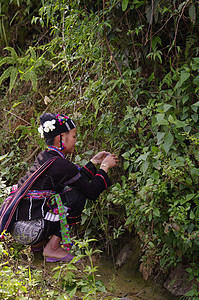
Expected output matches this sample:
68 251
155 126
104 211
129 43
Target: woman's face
69 140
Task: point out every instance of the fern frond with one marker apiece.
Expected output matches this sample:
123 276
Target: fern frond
13 52
6 60
32 52
6 74
33 78
13 77
190 41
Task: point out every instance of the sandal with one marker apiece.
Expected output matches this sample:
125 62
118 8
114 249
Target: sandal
66 258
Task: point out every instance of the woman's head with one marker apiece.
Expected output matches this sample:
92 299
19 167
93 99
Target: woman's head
68 140
53 125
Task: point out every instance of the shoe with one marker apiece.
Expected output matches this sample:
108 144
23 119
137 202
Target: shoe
66 258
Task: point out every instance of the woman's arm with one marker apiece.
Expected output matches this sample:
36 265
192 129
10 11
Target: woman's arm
98 183
93 188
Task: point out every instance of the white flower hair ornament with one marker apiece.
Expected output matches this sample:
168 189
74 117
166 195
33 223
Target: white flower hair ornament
41 131
47 126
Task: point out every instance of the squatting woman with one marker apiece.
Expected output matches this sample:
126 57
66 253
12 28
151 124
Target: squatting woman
57 196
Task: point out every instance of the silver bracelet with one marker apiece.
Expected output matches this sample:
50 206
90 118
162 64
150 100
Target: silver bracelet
93 162
103 165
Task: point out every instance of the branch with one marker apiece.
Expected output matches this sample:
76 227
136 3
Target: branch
176 31
16 116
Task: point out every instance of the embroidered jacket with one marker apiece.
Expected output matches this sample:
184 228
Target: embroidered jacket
89 181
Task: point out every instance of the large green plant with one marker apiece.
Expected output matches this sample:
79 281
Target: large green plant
25 68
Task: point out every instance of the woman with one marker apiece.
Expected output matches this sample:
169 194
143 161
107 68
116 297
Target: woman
59 191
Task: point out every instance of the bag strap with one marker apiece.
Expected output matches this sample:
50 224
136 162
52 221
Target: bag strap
22 191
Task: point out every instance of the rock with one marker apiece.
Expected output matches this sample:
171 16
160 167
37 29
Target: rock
178 281
123 255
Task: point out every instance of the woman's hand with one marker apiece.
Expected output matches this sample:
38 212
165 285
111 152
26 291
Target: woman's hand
109 162
99 157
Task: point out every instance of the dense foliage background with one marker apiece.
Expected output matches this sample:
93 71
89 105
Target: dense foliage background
127 71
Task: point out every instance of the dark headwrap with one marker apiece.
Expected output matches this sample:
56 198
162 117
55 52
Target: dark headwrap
54 124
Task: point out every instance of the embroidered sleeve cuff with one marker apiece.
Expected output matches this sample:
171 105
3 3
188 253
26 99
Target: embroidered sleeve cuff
101 173
90 167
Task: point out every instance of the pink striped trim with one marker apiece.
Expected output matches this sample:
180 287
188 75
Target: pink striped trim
89 171
103 179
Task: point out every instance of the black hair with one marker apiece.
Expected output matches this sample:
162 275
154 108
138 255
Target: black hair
50 142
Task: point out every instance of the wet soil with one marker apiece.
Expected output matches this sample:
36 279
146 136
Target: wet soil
123 283
127 283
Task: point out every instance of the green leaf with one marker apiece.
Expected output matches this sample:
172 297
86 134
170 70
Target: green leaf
151 78
33 78
181 5
16 104
189 270
156 40
124 4
195 64
187 198
196 80
195 106
13 52
179 124
126 165
167 107
160 137
154 149
171 119
156 212
168 141
33 53
184 76
184 99
144 166
6 60
192 216
162 262
192 13
100 286
142 157
73 292
126 155
196 60
138 3
194 171
6 74
13 77
3 156
156 175
195 117
161 120
148 12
